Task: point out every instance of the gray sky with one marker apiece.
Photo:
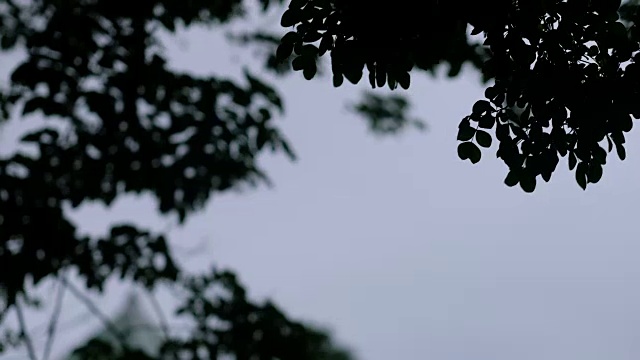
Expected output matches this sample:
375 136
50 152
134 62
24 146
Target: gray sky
408 252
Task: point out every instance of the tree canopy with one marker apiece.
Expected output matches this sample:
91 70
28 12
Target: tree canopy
562 81
563 74
119 120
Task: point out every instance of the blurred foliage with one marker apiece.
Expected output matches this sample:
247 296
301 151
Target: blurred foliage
564 73
386 114
563 82
218 307
133 125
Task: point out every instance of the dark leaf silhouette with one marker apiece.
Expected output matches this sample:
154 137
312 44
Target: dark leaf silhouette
568 68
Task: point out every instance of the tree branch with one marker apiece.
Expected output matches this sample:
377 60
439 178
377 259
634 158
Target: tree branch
164 323
24 334
53 322
110 326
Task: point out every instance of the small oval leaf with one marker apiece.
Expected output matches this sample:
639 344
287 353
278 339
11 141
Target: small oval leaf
469 150
483 138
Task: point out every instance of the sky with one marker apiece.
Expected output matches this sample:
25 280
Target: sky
399 247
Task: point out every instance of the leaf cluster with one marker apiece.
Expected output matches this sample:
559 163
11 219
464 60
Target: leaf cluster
564 74
130 125
387 41
565 85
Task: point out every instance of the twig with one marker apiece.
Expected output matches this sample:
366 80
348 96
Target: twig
110 326
53 322
164 323
64 324
24 334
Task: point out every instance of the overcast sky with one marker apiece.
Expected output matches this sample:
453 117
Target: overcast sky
404 250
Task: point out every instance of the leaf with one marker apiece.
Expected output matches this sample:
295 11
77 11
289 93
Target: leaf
391 82
283 51
486 121
354 73
298 63
528 183
291 37
298 4
288 149
512 179
372 74
465 131
625 122
618 137
310 51
502 132
549 164
290 17
599 155
483 138
312 36
622 152
595 173
469 150
481 107
491 92
310 71
572 160
404 79
338 79
581 175
297 48
326 43
381 76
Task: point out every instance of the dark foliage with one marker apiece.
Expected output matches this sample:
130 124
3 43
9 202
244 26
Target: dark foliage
227 324
133 125
386 114
563 82
564 74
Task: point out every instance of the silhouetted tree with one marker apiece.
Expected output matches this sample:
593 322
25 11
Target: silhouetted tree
130 124
563 82
564 75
